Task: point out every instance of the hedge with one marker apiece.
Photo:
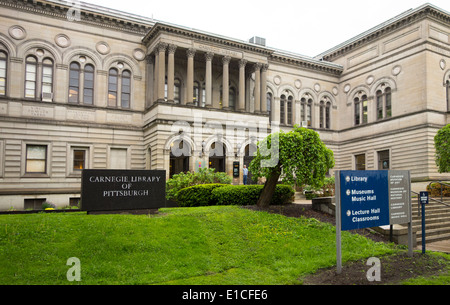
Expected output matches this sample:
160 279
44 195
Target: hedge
222 194
249 194
197 195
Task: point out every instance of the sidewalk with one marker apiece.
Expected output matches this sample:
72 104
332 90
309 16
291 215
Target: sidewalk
439 246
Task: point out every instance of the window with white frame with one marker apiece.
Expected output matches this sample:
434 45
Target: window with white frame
3 72
384 103
36 159
39 77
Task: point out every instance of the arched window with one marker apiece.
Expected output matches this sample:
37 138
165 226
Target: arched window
448 95
289 110
30 77
88 88
282 111
384 103
269 104
74 82
47 78
325 113
112 87
361 110
3 72
322 115
306 111
328 116
126 89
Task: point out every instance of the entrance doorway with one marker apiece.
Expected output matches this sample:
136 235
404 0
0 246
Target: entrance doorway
217 156
180 152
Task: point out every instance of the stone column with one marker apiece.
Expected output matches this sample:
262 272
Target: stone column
161 70
149 83
257 88
242 64
225 82
264 88
208 79
155 77
171 73
190 77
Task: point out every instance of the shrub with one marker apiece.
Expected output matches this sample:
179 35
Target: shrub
435 190
47 205
184 180
198 195
249 194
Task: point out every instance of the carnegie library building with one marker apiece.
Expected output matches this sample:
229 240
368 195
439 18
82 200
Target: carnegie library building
88 87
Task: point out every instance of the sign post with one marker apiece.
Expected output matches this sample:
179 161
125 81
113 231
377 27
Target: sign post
424 200
367 199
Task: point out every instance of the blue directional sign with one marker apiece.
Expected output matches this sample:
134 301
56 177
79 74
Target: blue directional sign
364 199
374 198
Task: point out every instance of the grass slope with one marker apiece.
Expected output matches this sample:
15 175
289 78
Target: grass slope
210 245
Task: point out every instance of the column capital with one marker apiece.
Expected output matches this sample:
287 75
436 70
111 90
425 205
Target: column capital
257 67
226 60
172 48
150 59
209 56
191 52
242 63
161 47
265 67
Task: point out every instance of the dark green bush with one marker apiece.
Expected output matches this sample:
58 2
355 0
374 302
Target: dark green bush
198 195
249 194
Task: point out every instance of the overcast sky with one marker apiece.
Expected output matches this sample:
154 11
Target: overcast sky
303 27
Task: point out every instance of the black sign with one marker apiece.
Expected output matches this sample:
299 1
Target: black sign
423 198
236 173
116 190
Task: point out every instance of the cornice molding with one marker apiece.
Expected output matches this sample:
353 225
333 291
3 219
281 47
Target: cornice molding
59 9
390 26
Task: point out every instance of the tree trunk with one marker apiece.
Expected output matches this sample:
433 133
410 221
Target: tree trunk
269 187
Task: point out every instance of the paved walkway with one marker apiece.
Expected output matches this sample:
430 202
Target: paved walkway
440 246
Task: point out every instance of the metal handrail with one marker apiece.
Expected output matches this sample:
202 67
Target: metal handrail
442 193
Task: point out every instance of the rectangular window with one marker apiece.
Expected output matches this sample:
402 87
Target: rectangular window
33 204
36 159
360 162
379 107
282 111
79 160
118 158
309 114
383 160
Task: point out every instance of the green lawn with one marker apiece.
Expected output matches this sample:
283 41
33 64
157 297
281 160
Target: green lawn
210 245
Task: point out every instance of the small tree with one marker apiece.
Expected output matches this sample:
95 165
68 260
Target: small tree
442 145
298 157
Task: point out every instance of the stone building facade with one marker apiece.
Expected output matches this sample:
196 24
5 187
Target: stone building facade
90 87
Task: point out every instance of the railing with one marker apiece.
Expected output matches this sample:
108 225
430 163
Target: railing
433 199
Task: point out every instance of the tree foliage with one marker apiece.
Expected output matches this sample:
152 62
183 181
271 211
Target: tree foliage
442 145
301 158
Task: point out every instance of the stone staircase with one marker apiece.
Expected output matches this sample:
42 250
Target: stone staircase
437 221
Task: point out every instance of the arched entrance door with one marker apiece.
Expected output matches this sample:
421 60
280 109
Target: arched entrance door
250 153
217 156
180 151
